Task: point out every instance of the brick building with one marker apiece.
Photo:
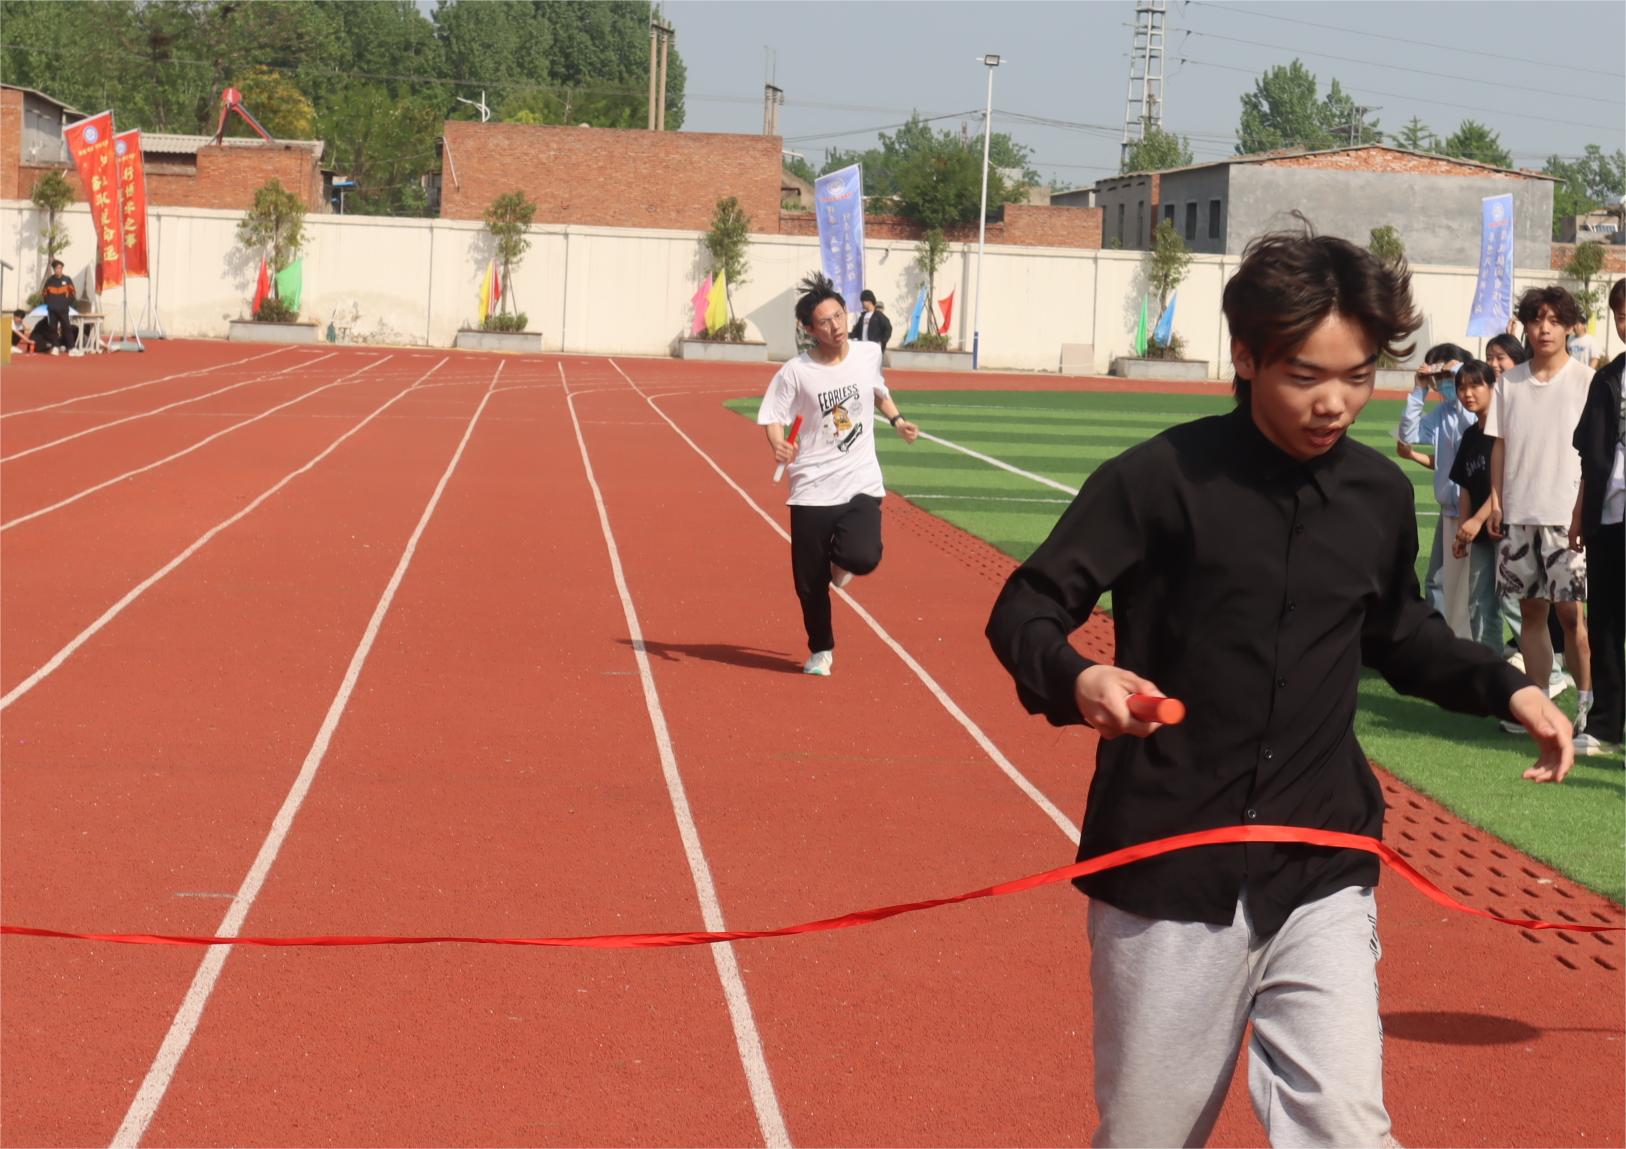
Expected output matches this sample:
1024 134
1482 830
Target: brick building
1433 201
184 171
614 177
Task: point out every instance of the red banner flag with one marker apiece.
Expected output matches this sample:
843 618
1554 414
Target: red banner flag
90 143
262 288
132 181
948 311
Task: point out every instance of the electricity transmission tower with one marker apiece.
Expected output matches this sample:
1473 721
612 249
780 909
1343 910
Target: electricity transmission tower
1143 105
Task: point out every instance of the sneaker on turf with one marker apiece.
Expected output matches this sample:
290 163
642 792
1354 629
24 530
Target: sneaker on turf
1515 659
819 663
1588 745
1558 683
839 577
1511 727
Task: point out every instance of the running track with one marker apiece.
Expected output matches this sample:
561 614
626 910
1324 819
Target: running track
347 636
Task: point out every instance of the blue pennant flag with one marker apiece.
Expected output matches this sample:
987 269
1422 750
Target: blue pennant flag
1165 322
915 318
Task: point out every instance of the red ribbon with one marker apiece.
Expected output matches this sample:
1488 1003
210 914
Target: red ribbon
1220 836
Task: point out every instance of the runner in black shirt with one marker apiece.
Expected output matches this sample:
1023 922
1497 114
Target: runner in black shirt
1257 561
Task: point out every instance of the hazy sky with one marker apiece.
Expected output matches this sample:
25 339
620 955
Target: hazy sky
851 69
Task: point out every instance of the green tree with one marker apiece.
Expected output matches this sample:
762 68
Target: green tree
942 186
1474 141
800 168
930 254
1170 261
726 242
1584 264
1586 183
507 220
1282 111
1157 151
884 165
276 102
1416 136
1387 245
1345 121
51 194
274 227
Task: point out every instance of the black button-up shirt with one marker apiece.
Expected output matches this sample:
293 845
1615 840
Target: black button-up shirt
1254 587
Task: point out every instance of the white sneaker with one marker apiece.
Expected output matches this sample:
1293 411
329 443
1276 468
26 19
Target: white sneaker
1588 745
1516 660
1558 683
1511 727
819 663
839 577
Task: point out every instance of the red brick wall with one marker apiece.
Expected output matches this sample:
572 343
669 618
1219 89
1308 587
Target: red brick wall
1386 160
1614 259
11 142
226 178
1026 224
608 176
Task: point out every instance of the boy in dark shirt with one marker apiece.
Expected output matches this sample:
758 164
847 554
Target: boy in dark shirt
59 294
1257 560
1476 382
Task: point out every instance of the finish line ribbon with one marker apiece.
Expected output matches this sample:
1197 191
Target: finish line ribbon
1224 835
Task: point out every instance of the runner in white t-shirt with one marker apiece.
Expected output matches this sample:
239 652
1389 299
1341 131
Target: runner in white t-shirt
1535 477
835 478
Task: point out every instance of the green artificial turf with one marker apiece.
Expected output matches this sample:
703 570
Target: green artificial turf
1467 764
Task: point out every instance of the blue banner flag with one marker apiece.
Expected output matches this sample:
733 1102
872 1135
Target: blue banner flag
1493 294
915 318
839 200
1165 322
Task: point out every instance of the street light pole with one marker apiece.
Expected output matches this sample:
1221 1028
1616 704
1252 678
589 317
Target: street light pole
990 62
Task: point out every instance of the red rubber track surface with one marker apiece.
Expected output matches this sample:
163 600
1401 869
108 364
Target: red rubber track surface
495 773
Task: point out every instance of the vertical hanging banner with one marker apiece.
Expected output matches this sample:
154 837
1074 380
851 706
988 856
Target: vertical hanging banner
1493 294
132 182
839 200
90 143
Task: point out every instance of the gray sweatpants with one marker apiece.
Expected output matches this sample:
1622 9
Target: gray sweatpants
1172 1000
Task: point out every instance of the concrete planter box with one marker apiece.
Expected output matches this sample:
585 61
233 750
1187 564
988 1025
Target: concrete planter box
522 341
253 331
929 360
718 352
1128 367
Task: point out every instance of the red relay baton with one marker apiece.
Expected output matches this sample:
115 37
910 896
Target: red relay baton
779 471
1156 708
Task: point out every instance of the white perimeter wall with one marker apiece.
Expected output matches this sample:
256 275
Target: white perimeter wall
621 291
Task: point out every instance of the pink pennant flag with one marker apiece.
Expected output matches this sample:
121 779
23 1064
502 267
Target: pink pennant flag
700 300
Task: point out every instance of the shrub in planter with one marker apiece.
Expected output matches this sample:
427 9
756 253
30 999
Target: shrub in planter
731 332
934 342
505 321
274 310
1175 348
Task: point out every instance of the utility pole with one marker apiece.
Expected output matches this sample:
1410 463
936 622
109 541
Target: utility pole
651 124
772 100
1143 103
665 33
1357 121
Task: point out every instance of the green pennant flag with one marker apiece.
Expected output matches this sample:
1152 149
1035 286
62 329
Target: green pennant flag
1140 331
291 282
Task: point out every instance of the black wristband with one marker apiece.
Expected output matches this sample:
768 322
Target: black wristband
895 418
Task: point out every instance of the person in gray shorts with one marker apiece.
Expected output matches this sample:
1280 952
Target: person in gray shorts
1257 561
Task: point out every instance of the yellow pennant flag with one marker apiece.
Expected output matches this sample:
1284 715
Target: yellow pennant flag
717 305
485 295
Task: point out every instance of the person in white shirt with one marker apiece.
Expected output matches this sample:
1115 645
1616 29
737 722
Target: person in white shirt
1600 441
1536 478
835 478
1582 346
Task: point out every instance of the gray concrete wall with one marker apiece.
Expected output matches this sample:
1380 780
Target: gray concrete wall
1199 186
1126 191
1437 216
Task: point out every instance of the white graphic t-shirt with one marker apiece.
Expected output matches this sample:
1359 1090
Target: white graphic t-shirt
837 405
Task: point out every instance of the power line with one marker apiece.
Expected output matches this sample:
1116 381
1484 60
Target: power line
1564 65
1497 83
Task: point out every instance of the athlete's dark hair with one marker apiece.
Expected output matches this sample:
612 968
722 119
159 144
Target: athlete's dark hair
1290 281
815 288
1510 346
1445 352
1565 309
1617 295
1476 371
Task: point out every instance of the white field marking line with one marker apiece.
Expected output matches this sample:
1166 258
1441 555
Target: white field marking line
770 1121
1000 463
165 407
997 756
162 1071
147 383
198 544
976 498
186 450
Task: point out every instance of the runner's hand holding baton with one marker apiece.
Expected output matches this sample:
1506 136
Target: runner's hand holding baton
1117 701
790 441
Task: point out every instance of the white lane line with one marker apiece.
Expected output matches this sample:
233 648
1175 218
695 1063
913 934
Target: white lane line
185 1024
978 498
1000 463
147 383
160 410
198 544
770 1121
995 755
205 441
